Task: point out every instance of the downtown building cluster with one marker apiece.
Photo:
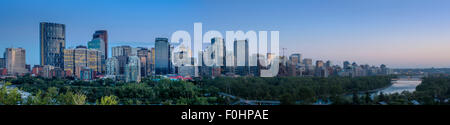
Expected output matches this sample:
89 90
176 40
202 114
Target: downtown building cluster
131 64
86 62
82 62
296 66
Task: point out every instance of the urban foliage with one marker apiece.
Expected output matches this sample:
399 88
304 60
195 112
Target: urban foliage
108 92
297 89
434 90
287 90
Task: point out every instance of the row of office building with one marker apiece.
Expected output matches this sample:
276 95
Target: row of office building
295 65
131 64
91 61
126 63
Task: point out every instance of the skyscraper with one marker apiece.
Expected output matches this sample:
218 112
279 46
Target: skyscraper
241 57
346 65
52 44
95 61
162 49
241 53
293 64
184 67
171 65
219 50
81 59
307 62
133 70
2 62
144 55
328 64
309 68
121 53
319 64
152 59
15 61
69 61
112 67
99 44
298 56
102 34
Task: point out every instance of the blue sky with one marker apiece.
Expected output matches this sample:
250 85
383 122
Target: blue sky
399 33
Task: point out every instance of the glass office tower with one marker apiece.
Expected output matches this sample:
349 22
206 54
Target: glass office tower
52 44
162 60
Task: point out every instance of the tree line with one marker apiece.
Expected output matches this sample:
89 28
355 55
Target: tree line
296 89
288 90
51 96
148 92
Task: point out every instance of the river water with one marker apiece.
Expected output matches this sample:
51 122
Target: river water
402 84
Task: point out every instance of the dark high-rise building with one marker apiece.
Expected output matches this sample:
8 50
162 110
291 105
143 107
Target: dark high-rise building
2 62
328 64
52 44
346 65
102 34
162 49
28 67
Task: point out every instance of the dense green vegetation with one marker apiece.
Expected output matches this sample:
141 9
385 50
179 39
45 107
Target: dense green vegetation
147 92
290 89
49 97
434 90
287 90
9 96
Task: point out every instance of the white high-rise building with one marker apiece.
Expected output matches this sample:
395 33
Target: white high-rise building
112 67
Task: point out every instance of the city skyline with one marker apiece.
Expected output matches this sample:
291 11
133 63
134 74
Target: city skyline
376 32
